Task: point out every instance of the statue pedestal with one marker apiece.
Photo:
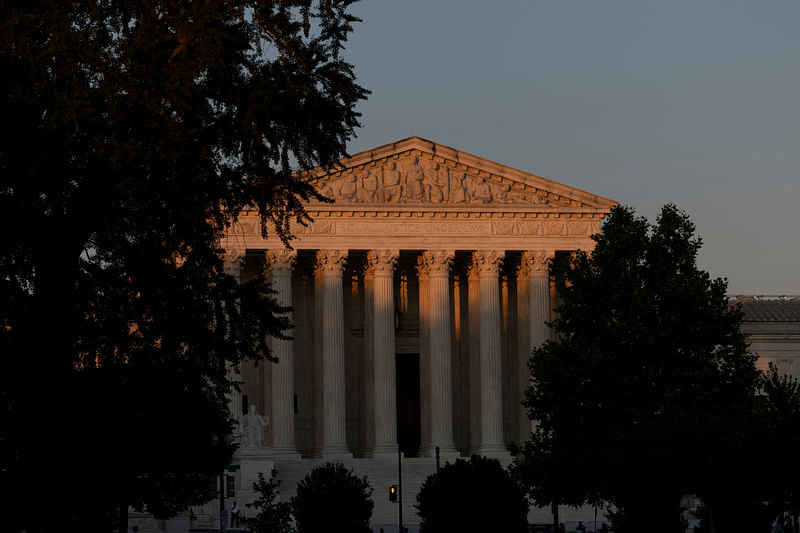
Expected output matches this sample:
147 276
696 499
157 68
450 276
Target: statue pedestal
253 461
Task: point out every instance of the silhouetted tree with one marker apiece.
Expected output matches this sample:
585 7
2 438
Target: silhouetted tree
646 394
273 515
332 498
133 133
474 495
779 428
763 484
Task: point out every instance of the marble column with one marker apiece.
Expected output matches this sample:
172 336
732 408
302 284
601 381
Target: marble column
334 438
317 377
437 267
380 264
280 263
232 265
535 267
474 356
538 266
487 264
424 360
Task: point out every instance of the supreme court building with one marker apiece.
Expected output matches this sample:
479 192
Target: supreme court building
417 297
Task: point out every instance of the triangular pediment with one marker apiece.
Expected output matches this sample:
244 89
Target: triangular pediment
416 173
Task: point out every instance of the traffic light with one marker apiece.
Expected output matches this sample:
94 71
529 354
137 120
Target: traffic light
393 494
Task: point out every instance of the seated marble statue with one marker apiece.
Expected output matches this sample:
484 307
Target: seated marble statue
254 429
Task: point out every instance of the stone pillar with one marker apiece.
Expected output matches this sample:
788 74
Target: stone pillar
424 360
538 266
280 263
488 265
334 437
523 348
317 377
232 264
535 266
437 267
474 357
369 360
381 265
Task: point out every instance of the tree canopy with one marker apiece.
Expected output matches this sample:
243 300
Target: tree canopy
645 395
272 514
133 134
474 495
332 498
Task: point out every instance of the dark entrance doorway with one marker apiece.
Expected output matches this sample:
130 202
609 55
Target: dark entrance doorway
408 416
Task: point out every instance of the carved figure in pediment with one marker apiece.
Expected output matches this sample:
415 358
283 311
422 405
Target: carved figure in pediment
458 192
370 186
501 193
539 199
436 184
416 180
415 189
480 191
325 189
348 190
535 198
392 184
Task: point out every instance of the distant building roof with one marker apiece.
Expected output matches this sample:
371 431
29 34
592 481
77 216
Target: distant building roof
769 308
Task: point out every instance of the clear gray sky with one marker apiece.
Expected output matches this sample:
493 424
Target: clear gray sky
646 102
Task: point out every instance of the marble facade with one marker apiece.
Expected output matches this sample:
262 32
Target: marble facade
417 296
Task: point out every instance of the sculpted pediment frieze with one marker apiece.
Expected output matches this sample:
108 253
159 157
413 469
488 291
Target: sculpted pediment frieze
406 174
416 180
413 192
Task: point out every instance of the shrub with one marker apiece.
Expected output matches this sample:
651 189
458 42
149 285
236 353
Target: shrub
474 495
274 516
331 498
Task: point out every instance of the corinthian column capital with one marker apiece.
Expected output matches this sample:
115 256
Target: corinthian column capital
487 261
382 262
330 262
280 260
535 262
435 263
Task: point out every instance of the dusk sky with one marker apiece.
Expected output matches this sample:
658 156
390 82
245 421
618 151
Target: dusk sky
644 102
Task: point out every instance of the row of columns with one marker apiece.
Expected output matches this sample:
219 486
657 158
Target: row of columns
435 339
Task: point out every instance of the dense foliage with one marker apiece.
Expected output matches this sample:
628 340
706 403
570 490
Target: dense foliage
649 391
474 495
272 514
133 133
332 498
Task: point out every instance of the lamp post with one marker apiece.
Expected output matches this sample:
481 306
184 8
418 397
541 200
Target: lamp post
221 500
400 489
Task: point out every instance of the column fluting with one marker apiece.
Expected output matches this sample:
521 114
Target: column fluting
487 264
334 439
538 266
381 264
437 267
535 265
424 360
280 263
